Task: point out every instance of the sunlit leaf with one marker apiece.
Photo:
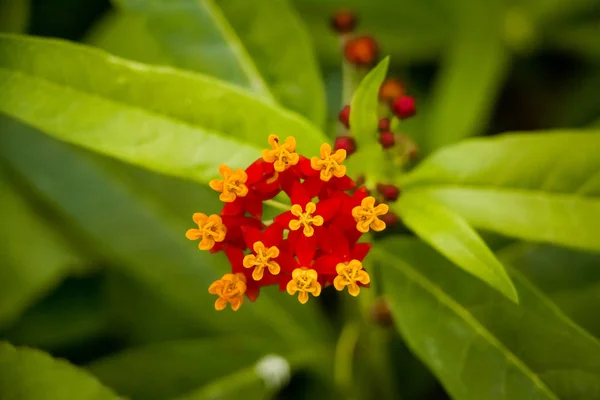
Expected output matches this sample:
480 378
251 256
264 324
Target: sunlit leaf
34 255
29 374
521 185
261 45
452 236
479 344
172 122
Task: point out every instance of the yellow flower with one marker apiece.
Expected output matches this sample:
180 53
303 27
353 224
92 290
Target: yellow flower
233 184
283 155
329 164
230 289
261 260
366 215
304 280
210 230
348 274
305 219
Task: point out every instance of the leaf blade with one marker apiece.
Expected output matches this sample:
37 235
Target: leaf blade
512 340
32 374
454 238
167 133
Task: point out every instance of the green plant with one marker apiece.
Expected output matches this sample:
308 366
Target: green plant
487 270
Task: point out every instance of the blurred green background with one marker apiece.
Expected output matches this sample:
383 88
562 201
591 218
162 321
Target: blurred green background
94 264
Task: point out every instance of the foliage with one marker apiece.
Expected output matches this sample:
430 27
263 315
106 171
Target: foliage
488 270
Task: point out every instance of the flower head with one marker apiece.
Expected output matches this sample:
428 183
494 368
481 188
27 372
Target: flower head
310 245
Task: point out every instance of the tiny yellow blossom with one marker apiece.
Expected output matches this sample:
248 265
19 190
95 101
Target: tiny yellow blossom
262 259
348 274
305 218
210 230
230 289
366 215
329 164
304 280
283 155
232 185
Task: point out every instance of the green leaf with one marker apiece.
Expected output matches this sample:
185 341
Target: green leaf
520 185
365 104
137 221
479 344
29 374
170 369
34 255
570 278
234 40
471 76
72 314
169 121
14 15
452 236
363 123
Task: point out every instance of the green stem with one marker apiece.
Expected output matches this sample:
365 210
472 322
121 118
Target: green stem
277 204
344 357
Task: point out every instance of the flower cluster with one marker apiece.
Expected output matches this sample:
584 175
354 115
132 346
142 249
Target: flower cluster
313 244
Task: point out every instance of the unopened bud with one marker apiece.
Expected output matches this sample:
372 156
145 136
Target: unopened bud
387 139
390 90
345 142
344 116
389 192
361 50
404 107
343 21
384 125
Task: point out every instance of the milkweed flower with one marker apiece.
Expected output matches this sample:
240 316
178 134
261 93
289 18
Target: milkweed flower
310 246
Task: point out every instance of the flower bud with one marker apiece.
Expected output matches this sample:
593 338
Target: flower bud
384 125
345 142
344 116
381 313
389 192
387 139
390 90
390 219
404 107
361 50
343 21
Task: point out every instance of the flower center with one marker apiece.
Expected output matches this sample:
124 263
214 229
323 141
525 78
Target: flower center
348 274
232 185
304 280
366 215
210 230
305 218
283 155
329 164
261 260
230 289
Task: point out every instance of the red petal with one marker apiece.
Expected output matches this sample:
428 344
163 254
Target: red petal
305 167
324 240
328 208
236 257
340 247
360 251
343 183
283 220
252 290
251 235
272 235
254 207
234 208
305 249
326 264
286 261
313 186
353 235
283 281
293 239
255 171
299 195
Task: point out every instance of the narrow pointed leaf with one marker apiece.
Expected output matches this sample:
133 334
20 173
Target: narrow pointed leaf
452 236
479 344
159 118
29 374
521 185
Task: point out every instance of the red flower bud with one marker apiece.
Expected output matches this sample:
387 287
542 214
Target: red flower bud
381 314
343 21
390 90
390 219
404 107
389 192
344 116
361 50
387 139
384 125
345 142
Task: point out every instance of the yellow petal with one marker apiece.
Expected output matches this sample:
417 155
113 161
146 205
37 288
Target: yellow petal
295 225
353 289
381 209
249 261
274 268
225 170
317 291
311 207
368 202
377 225
199 218
318 220
291 287
303 297
363 277
312 274
308 230
217 184
206 243
258 272
338 283
193 234
236 303
325 150
220 304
